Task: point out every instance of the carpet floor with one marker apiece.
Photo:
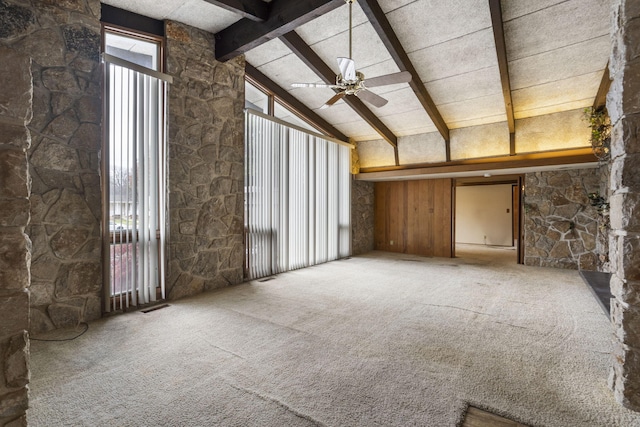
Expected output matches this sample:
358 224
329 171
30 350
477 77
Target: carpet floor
376 340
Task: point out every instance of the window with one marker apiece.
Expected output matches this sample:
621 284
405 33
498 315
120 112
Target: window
134 168
284 114
297 197
258 99
255 99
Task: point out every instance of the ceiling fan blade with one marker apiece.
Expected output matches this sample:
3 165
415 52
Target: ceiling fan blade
347 68
313 85
335 98
372 98
389 79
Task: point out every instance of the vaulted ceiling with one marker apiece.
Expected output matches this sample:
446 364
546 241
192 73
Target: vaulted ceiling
474 62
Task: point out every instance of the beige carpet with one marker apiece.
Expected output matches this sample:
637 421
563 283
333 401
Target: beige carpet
377 340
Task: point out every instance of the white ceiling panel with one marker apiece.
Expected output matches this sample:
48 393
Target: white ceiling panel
375 153
358 130
312 97
339 113
197 13
561 25
422 148
270 51
390 5
558 93
476 109
459 56
552 132
331 24
379 69
399 101
288 70
426 23
474 84
368 50
410 123
477 122
161 10
204 15
552 109
514 9
480 141
559 64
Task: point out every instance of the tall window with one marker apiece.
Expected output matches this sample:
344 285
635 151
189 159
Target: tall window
297 196
258 99
134 169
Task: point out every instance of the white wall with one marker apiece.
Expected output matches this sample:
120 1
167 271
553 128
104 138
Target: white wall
484 210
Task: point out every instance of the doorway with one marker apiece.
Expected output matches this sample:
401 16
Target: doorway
488 213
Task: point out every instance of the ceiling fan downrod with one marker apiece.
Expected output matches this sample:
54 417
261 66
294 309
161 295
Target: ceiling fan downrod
350 2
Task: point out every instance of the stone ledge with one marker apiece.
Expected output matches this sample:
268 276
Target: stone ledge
598 284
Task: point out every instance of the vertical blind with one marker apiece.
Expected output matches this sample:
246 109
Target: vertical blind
297 197
136 183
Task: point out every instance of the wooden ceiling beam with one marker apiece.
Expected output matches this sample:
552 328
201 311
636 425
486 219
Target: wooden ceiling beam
284 16
313 61
255 10
503 66
258 78
515 163
381 24
605 84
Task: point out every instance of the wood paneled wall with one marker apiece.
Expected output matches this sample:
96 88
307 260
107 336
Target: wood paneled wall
414 217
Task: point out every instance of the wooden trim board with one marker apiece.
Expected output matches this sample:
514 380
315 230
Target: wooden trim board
478 418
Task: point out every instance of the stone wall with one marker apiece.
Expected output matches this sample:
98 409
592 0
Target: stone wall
362 219
206 164
15 246
604 224
63 40
624 246
561 226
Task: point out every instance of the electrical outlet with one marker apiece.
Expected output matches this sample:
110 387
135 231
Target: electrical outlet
391 243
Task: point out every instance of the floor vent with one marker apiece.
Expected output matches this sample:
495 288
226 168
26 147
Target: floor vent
266 279
154 308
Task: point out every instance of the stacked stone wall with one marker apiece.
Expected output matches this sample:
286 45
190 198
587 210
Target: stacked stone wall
206 164
63 40
15 246
604 225
561 226
362 217
623 104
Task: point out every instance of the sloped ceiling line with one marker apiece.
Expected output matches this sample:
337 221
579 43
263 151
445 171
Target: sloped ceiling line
284 16
255 10
503 66
381 24
313 61
264 81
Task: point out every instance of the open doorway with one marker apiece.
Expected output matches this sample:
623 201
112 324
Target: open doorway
488 215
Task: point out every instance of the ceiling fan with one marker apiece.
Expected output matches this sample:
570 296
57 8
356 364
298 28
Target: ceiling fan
352 82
